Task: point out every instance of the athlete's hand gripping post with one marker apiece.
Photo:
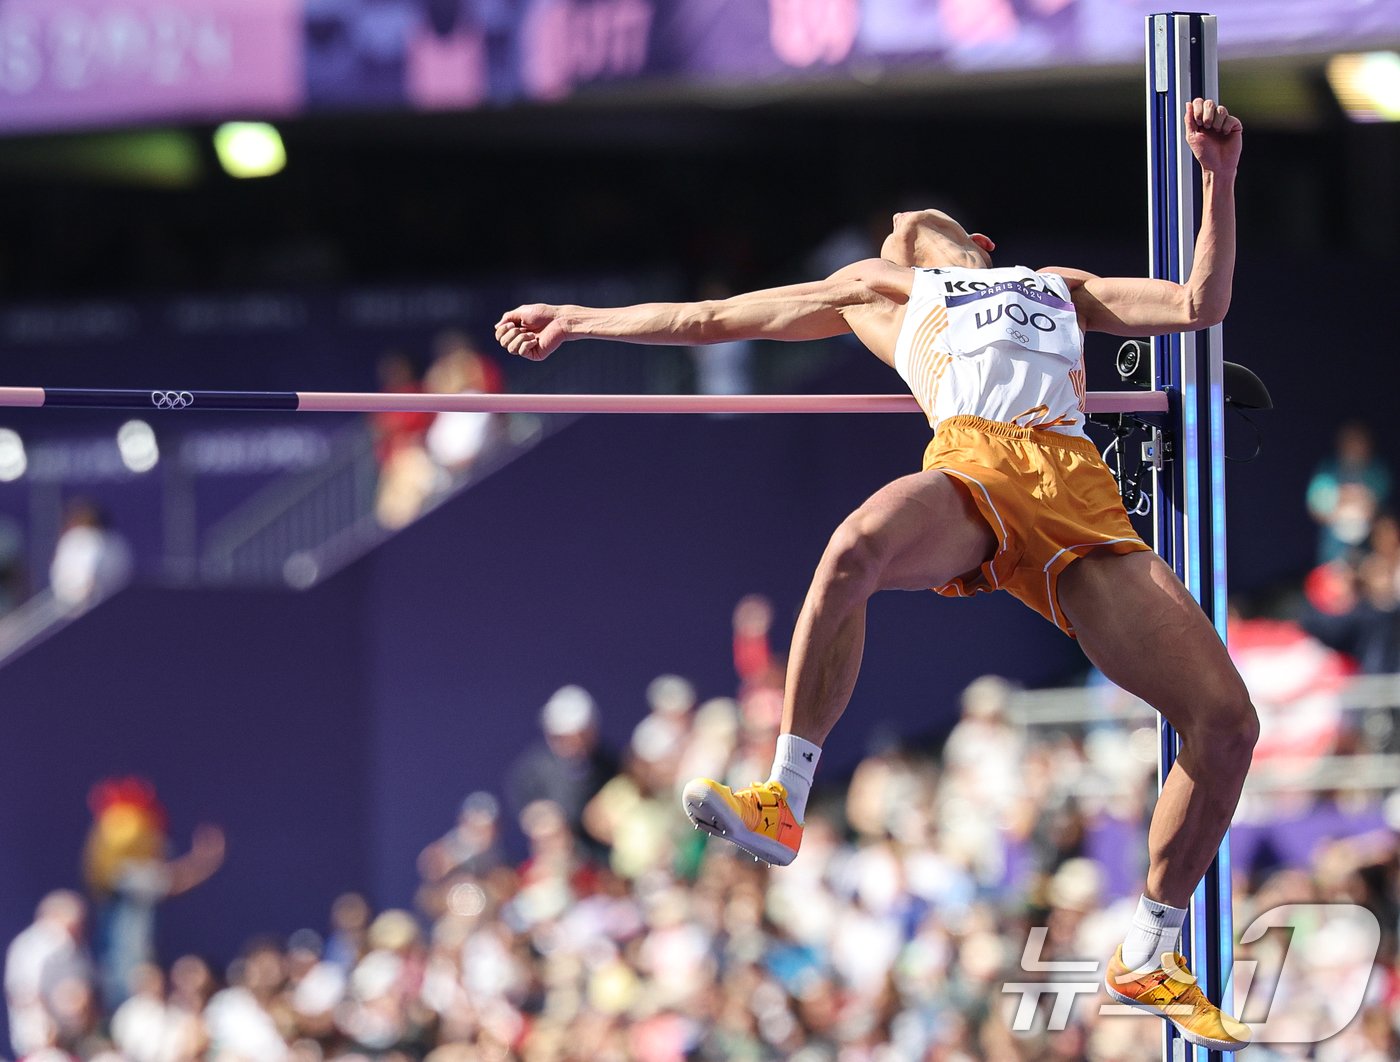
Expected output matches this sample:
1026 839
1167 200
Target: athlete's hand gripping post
1215 136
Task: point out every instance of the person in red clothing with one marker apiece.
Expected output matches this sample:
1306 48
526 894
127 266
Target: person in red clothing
405 473
394 430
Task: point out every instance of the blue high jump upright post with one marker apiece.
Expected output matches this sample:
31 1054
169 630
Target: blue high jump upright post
1189 488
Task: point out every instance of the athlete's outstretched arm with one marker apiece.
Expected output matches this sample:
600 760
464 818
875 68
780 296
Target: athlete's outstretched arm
839 304
1135 307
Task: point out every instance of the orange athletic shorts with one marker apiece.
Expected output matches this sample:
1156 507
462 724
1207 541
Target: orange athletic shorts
1048 497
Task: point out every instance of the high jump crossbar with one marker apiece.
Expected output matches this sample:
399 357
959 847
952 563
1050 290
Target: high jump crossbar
1189 490
166 400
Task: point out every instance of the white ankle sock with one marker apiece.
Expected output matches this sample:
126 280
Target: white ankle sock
1156 930
795 765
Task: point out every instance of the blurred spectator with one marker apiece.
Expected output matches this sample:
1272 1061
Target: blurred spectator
1346 492
570 765
760 713
382 1011
397 430
316 995
350 916
634 814
754 660
239 1019
983 761
144 1028
558 870
191 987
47 969
671 700
712 741
129 873
456 440
424 455
13 583
1355 603
1380 568
470 850
90 560
984 750
407 477
406 482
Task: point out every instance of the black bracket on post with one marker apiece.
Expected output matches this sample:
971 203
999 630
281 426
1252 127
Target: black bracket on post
1134 366
1243 391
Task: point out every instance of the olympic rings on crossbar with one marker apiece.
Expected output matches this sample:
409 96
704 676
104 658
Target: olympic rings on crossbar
172 399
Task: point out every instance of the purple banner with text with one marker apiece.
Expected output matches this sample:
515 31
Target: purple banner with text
66 63
95 62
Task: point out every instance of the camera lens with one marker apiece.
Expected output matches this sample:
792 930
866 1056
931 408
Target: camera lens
1133 362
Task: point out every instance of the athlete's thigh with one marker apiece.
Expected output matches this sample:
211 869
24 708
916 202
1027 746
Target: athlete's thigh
927 531
1140 627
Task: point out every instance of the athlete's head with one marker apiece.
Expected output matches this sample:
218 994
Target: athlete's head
931 238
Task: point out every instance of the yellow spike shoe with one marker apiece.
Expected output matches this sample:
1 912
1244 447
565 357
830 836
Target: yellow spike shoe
755 818
1170 991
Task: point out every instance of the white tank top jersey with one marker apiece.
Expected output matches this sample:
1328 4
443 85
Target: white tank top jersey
1002 344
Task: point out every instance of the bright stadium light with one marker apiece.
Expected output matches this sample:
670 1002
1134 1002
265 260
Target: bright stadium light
250 149
1367 85
137 444
13 461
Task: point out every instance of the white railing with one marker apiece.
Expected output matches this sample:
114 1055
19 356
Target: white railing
41 617
1088 707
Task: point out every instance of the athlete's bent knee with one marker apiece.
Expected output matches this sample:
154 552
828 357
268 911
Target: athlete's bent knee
856 556
1226 734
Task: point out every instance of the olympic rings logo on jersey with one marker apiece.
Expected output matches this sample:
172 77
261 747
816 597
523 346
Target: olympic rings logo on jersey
1020 337
172 399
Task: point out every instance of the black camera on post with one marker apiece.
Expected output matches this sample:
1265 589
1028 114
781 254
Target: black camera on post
1134 362
1243 390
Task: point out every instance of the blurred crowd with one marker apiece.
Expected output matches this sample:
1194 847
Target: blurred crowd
623 934
930 879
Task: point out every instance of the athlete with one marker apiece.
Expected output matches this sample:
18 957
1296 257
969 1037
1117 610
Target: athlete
1013 496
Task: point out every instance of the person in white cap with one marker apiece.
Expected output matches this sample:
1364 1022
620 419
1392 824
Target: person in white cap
570 765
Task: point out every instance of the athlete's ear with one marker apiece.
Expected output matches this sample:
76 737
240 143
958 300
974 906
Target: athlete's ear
983 242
